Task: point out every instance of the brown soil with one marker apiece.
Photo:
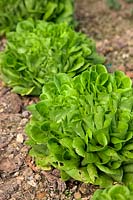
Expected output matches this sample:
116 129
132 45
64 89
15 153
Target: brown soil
112 31
19 177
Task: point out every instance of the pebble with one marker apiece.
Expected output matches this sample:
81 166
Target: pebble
25 114
1 110
16 174
32 183
7 165
77 195
23 121
20 138
19 179
125 55
73 188
37 177
41 195
28 172
24 149
11 156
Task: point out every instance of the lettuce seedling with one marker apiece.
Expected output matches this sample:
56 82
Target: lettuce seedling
36 51
14 11
116 192
84 126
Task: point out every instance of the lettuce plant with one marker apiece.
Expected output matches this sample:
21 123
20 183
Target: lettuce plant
14 11
36 51
116 192
84 126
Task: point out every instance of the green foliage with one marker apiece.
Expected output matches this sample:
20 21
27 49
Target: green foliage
116 192
115 4
84 126
36 51
14 11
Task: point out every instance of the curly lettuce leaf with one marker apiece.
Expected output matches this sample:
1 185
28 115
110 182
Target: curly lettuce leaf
37 51
86 128
14 11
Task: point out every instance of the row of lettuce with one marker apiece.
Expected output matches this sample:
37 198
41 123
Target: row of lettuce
14 11
37 50
83 123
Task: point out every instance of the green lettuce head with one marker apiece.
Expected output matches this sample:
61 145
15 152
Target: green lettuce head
36 51
84 126
116 192
14 11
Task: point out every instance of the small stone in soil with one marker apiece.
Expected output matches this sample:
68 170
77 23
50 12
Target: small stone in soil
125 55
41 195
23 121
37 177
20 138
32 183
7 165
25 114
77 195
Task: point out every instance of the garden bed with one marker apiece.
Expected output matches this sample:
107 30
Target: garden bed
19 177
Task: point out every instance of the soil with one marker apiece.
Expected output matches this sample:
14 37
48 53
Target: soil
20 179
